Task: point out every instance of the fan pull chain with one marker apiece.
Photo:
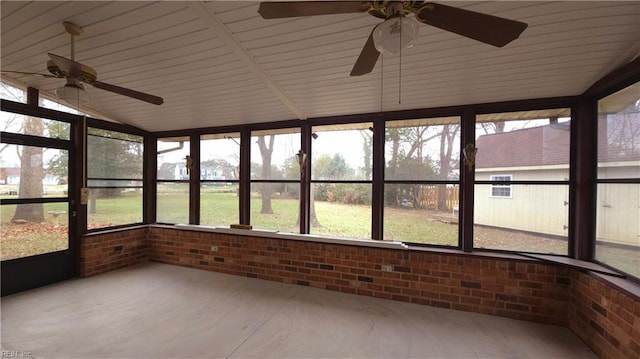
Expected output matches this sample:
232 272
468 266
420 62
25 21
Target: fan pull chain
381 80
400 79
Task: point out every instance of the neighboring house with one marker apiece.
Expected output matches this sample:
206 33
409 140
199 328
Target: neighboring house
50 180
180 172
211 173
11 176
542 154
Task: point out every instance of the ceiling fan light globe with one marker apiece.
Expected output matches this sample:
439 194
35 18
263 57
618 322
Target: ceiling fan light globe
395 34
73 94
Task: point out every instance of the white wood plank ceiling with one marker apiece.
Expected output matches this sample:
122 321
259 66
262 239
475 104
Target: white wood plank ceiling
219 63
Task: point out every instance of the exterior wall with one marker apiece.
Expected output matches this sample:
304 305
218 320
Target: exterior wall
605 318
618 214
629 169
541 209
531 208
104 252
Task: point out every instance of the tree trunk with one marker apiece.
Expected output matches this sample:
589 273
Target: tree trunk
392 191
367 149
92 203
446 149
266 191
313 218
31 175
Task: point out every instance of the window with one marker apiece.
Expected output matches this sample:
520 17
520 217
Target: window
114 178
341 173
29 125
523 157
219 179
275 179
421 180
618 188
500 190
172 203
12 93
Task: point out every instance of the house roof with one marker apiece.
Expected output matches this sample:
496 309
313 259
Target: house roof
549 145
537 146
219 63
9 171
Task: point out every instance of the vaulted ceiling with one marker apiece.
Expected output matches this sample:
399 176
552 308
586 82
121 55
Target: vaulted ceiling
219 63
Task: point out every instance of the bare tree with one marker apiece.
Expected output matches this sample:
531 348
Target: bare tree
447 136
265 152
622 131
31 175
11 121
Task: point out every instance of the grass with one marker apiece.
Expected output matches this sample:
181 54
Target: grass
421 226
344 220
219 206
115 211
21 240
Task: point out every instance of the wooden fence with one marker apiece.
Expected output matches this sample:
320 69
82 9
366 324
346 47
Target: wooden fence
428 196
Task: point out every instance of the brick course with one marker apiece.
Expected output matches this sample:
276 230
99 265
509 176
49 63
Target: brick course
607 319
104 252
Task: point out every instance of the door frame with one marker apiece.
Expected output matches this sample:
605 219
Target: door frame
25 273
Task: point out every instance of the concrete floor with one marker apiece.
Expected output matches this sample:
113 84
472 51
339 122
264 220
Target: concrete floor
162 311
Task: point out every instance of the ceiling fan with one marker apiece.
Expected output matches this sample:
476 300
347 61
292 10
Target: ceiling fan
485 28
76 73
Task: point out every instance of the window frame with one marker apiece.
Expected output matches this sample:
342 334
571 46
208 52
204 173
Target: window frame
428 182
189 181
140 180
249 181
315 131
599 181
567 182
501 184
237 181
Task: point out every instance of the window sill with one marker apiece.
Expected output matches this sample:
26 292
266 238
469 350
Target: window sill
291 236
574 263
100 231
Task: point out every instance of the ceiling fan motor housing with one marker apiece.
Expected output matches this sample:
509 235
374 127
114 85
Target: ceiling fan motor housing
86 73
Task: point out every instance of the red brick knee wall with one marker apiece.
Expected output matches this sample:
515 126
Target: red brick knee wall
104 252
604 317
517 289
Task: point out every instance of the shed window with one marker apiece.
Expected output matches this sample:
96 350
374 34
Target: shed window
501 190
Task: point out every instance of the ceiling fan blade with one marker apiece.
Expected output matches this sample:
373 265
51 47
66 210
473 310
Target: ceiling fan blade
367 59
29 73
128 92
282 9
70 67
485 28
